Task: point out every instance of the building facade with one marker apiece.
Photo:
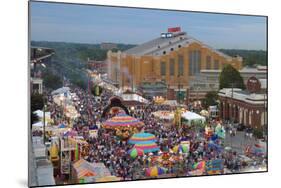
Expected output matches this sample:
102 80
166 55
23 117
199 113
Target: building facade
174 58
98 66
247 107
208 80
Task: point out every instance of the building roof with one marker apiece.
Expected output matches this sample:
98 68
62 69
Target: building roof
238 94
157 46
254 70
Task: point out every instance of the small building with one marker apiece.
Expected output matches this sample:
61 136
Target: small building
99 67
36 85
151 89
208 80
247 107
133 99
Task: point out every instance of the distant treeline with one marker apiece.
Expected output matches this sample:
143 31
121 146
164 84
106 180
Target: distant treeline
79 51
250 57
70 61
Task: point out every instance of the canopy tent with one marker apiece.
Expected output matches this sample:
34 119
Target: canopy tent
171 102
147 147
142 138
85 173
82 169
204 113
122 121
71 112
38 124
108 179
89 172
61 90
40 114
167 115
191 117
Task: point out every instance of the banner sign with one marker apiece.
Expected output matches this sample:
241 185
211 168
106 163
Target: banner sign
214 166
174 29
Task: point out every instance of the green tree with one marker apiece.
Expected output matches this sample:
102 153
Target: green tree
258 133
51 80
211 98
230 77
34 118
37 102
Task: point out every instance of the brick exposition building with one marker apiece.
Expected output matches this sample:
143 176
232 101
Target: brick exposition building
172 60
247 107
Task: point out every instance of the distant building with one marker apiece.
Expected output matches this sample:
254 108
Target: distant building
208 80
149 89
131 99
108 46
36 85
174 58
98 66
38 57
247 107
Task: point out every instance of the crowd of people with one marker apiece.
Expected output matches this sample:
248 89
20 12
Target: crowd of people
113 152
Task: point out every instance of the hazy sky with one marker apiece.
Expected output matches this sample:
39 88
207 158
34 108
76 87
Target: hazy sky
95 24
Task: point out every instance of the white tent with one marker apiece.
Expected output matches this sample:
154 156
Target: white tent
38 124
40 114
61 91
191 116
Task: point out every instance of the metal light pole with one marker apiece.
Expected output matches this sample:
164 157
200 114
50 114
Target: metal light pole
44 124
179 88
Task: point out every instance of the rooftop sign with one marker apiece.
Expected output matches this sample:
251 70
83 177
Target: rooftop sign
174 29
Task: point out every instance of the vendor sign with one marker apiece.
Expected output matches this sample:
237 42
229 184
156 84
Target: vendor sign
214 166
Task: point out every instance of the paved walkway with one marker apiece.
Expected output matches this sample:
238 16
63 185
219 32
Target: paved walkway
32 169
239 141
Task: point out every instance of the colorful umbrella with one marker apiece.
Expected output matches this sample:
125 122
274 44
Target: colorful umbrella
199 165
154 171
180 148
142 138
147 147
134 152
122 121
